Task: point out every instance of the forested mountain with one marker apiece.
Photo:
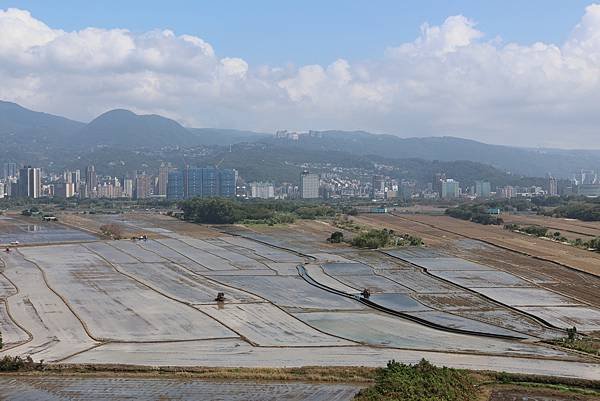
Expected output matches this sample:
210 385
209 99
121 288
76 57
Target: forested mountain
533 162
29 136
123 128
19 125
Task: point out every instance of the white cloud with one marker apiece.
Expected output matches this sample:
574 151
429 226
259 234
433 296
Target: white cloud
450 80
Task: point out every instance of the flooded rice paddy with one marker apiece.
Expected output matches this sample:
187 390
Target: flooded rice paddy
289 299
110 389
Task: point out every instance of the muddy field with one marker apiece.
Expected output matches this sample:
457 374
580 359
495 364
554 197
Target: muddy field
32 230
290 299
111 389
571 228
510 254
438 230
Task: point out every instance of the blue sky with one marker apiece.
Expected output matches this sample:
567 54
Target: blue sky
309 31
507 72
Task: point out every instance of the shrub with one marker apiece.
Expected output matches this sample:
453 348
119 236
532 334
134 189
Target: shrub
511 227
16 363
112 230
474 213
336 237
420 382
538 231
373 239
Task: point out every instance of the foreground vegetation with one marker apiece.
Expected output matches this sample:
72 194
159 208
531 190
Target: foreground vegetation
17 364
420 382
394 382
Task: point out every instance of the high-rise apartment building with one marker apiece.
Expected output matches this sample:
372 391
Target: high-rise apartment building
450 189
143 186
163 179
377 186
210 182
309 185
72 177
30 182
228 183
483 189
262 190
10 170
552 186
506 192
91 180
76 179
128 188
175 185
204 182
436 186
64 189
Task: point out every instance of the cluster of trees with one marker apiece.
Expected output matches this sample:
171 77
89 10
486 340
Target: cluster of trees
586 211
589 345
226 211
475 213
539 231
16 363
420 382
373 239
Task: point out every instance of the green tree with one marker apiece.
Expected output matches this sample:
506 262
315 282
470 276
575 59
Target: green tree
420 382
336 237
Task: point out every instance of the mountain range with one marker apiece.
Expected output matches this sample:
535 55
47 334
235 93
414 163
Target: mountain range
25 134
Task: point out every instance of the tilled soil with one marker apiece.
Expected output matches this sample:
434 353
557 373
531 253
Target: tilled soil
579 285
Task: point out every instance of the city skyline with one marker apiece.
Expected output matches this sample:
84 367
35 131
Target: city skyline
175 184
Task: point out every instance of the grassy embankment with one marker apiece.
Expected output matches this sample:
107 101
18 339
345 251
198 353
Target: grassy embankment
417 382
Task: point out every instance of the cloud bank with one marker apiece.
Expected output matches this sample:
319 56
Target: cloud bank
451 80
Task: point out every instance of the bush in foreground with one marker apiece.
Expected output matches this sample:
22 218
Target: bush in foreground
16 363
420 382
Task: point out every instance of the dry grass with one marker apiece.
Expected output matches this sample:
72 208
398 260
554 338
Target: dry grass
310 373
488 382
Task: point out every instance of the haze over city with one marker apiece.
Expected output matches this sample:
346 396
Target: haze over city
510 73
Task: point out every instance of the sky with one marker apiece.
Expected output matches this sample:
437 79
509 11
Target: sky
507 72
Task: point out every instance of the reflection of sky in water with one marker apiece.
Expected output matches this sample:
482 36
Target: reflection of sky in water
459 322
121 388
41 233
347 268
398 302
